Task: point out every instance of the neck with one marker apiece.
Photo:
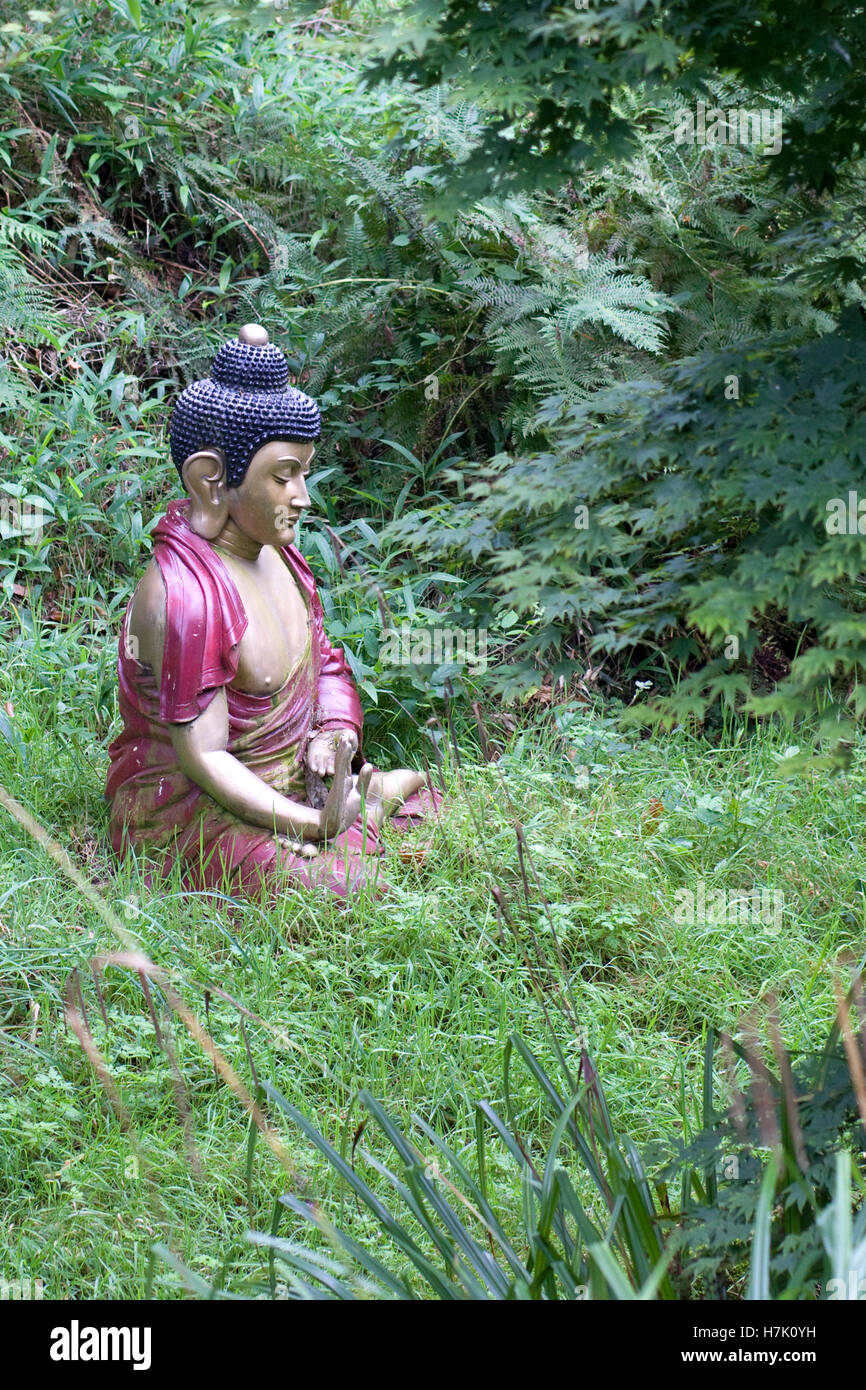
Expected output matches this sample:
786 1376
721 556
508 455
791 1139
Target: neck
232 539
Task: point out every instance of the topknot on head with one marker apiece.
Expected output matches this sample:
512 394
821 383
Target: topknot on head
250 363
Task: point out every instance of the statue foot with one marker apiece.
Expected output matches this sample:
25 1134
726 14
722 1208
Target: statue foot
305 848
390 789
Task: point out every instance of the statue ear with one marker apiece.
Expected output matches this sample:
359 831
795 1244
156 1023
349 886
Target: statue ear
204 477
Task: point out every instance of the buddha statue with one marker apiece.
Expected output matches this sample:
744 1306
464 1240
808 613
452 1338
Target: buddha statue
240 752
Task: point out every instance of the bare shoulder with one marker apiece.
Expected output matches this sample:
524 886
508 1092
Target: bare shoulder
147 615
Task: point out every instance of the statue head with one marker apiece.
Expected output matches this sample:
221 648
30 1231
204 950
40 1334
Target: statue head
242 441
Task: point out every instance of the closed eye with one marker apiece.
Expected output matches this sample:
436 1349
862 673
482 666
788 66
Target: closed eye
305 473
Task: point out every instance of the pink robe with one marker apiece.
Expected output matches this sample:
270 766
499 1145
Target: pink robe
154 805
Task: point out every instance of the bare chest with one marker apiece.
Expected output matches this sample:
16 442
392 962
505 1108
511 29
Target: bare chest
277 622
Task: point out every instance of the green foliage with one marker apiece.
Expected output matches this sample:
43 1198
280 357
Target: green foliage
707 518
199 190
450 1238
785 1221
548 77
783 1159
175 170
722 585
502 322
419 1015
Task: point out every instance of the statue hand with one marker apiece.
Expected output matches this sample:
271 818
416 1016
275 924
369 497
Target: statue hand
320 756
344 799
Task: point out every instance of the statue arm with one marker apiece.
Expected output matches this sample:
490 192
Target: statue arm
201 749
338 707
201 744
337 702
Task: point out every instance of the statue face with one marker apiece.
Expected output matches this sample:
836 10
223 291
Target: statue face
273 493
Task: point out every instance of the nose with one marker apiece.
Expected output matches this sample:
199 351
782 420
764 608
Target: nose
300 496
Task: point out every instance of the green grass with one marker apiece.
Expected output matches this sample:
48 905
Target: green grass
411 998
